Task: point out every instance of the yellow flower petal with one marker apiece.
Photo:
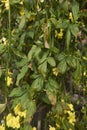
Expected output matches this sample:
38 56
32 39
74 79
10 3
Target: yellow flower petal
2 127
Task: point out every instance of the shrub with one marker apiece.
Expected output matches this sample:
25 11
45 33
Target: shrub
43 71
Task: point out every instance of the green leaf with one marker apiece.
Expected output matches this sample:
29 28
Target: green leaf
53 83
74 29
62 24
31 34
71 61
31 108
62 67
61 56
27 127
32 52
75 10
17 92
54 49
51 89
22 62
43 57
18 53
51 61
2 107
22 23
15 2
0 73
42 68
65 5
78 72
68 38
2 47
22 74
37 84
53 20
43 97
59 108
52 97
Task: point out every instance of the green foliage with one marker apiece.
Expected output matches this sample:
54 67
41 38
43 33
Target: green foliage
43 60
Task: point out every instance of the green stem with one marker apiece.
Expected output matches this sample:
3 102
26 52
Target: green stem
8 54
8 47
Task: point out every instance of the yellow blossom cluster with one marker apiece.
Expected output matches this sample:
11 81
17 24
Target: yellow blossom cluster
71 107
71 117
34 128
71 16
2 127
9 79
12 121
60 34
71 114
6 3
51 128
17 111
41 1
21 2
55 71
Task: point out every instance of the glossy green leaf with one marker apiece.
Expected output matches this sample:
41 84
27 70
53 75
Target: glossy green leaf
22 62
37 84
62 67
42 68
32 52
17 92
75 10
78 72
62 24
51 61
61 56
74 30
71 61
22 74
22 23
31 109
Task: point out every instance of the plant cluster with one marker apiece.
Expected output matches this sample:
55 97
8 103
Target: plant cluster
43 65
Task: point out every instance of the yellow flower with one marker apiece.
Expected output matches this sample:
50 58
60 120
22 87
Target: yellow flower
60 34
9 81
17 111
22 12
2 127
6 3
57 125
41 1
62 100
5 41
71 107
13 121
34 128
9 73
71 117
51 128
32 18
71 16
55 71
21 2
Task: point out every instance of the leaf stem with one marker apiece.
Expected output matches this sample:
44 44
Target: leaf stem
8 54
